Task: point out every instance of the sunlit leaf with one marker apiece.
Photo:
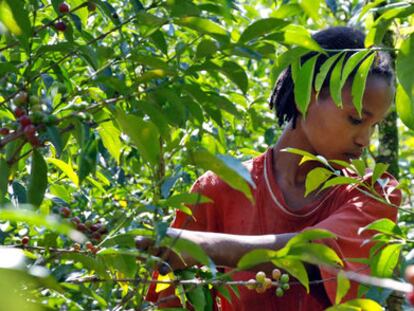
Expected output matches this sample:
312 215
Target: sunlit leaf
38 179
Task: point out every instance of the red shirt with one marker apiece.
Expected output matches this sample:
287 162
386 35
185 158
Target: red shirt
343 210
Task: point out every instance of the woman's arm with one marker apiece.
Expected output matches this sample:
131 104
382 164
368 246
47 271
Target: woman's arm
227 249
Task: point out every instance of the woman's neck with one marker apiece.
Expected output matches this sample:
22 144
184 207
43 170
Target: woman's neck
285 164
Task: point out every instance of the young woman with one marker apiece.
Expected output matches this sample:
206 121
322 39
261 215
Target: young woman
231 225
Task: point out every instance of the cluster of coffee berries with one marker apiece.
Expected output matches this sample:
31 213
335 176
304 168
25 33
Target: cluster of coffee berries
95 231
263 283
26 126
64 8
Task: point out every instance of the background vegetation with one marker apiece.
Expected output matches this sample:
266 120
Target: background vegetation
109 111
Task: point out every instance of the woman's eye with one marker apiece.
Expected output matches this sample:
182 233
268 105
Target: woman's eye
354 121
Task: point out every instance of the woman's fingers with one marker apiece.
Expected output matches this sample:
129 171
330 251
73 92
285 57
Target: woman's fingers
143 243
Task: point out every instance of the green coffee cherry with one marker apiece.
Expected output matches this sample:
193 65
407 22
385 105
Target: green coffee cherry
279 292
285 286
284 278
260 276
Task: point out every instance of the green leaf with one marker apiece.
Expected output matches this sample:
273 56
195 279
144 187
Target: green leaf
38 179
15 17
202 25
295 268
89 263
110 136
35 219
341 180
182 246
315 178
261 27
405 88
323 72
379 170
315 253
4 178
335 83
144 135
236 178
352 63
66 169
296 35
303 84
206 48
87 159
358 85
357 304
255 257
386 260
360 166
307 236
343 285
383 225
55 138
236 74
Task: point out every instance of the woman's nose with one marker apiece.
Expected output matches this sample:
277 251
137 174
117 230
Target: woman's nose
362 138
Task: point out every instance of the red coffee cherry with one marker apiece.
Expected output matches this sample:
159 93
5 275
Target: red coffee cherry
81 227
29 130
63 8
18 112
410 298
76 220
4 131
60 26
96 236
25 120
25 240
65 212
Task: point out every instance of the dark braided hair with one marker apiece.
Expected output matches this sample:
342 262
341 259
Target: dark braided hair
334 38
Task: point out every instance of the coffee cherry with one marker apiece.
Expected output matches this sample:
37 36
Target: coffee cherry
96 236
65 212
21 98
4 131
34 141
25 240
81 227
89 245
25 120
260 289
285 286
91 6
267 283
251 284
63 8
410 298
18 112
409 274
284 278
103 230
276 274
95 227
115 15
76 247
29 131
60 26
51 119
75 220
279 292
88 224
260 276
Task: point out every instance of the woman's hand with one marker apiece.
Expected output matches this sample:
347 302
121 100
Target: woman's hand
170 261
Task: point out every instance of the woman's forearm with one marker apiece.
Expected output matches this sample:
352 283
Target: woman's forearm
228 249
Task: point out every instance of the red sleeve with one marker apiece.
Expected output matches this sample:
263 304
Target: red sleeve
204 218
357 211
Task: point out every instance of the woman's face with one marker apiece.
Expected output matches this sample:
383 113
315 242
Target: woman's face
341 134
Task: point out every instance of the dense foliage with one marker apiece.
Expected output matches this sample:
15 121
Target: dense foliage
109 111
